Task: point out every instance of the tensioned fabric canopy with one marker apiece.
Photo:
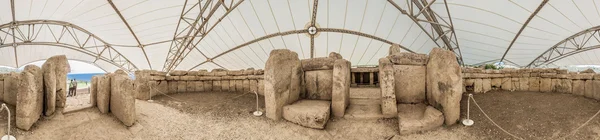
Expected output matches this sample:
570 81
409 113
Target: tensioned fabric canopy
236 34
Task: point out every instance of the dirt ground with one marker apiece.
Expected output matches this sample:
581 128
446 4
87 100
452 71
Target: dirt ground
228 116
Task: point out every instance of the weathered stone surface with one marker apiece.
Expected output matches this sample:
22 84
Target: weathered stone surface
94 90
444 81
507 84
496 83
318 84
418 118
364 69
216 86
478 85
564 86
225 85
2 90
190 86
122 101
246 86
308 113
282 81
158 87
487 84
407 58
253 86
103 97
516 84
335 55
555 82
198 86
409 84
523 84
394 49
589 89
534 84
178 73
232 86
208 86
62 68
596 88
261 87
578 87
387 85
30 99
545 85
320 63
588 71
172 87
141 84
340 94
11 88
181 86
239 85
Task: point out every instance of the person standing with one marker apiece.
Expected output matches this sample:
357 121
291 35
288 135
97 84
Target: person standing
75 87
71 88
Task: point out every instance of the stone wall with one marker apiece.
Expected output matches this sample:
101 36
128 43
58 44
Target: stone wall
535 80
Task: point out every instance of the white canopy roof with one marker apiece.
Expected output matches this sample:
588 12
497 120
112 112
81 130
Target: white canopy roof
237 34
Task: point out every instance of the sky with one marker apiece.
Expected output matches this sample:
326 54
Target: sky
76 67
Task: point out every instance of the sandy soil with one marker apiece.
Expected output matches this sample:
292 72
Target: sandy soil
228 116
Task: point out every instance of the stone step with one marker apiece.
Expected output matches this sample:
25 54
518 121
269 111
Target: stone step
365 92
359 101
363 112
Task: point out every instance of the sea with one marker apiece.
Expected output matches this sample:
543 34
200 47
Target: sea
82 76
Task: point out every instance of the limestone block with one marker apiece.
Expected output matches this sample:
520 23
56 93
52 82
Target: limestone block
487 84
596 89
319 84
11 88
239 86
253 86
2 90
62 68
261 72
172 87
394 49
282 80
199 86
588 71
178 73
340 94
246 86
496 83
335 55
158 87
122 101
188 78
516 84
261 87
409 84
407 58
103 97
565 86
469 82
507 83
308 113
534 84
545 85
589 89
320 63
578 87
387 85
30 97
190 86
208 86
94 90
444 81
217 86
418 118
555 83
225 85
524 84
478 86
235 72
232 86
181 86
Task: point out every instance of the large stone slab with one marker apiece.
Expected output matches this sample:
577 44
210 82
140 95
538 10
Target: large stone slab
319 84
253 86
589 89
340 94
534 84
216 86
507 84
564 86
232 86
122 100
172 87
578 87
496 83
410 84
414 118
239 86
103 97
545 85
394 49
208 86
246 86
487 84
320 63
596 88
225 85
523 84
62 68
2 90
11 88
282 81
444 81
387 85
142 77
181 86
30 99
407 58
308 113
158 87
94 90
516 84
261 87
478 85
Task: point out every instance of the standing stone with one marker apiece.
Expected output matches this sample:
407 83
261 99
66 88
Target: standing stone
589 89
225 85
253 86
199 86
387 83
478 86
11 88
340 94
596 87
181 86
142 77
246 85
122 101
578 87
94 90
232 85
208 86
216 86
172 87
261 87
507 84
487 84
555 84
30 97
409 84
103 97
158 87
496 83
516 84
62 68
524 84
239 86
279 70
318 84
566 86
444 81
534 84
191 86
545 85
2 90
394 49
335 55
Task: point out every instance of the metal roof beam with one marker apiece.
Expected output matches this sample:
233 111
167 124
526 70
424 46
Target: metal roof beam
523 27
562 50
130 30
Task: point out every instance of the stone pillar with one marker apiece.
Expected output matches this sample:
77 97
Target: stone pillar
103 97
11 84
341 87
281 75
589 89
122 100
478 85
387 84
31 97
578 87
371 78
353 82
444 81
487 84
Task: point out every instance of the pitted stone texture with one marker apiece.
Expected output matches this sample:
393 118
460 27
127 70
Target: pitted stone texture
158 88
523 84
496 83
246 86
199 86
225 85
208 86
216 86
319 84
172 87
103 97
545 85
282 80
409 84
181 86
579 87
516 84
308 113
30 99
534 84
122 100
487 84
11 88
321 63
340 94
589 89
407 58
394 49
335 55
418 118
563 85
507 84
478 85
190 86
94 90
232 86
142 77
596 89
444 81
62 68
387 84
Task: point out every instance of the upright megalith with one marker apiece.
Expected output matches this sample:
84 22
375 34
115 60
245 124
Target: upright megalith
394 49
30 97
94 90
444 81
340 97
122 98
11 82
387 83
62 68
55 71
142 77
282 81
103 96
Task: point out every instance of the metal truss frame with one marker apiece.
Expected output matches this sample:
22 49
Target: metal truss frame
574 44
523 27
26 33
438 30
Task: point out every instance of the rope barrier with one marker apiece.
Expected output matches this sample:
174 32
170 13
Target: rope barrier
490 119
192 102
